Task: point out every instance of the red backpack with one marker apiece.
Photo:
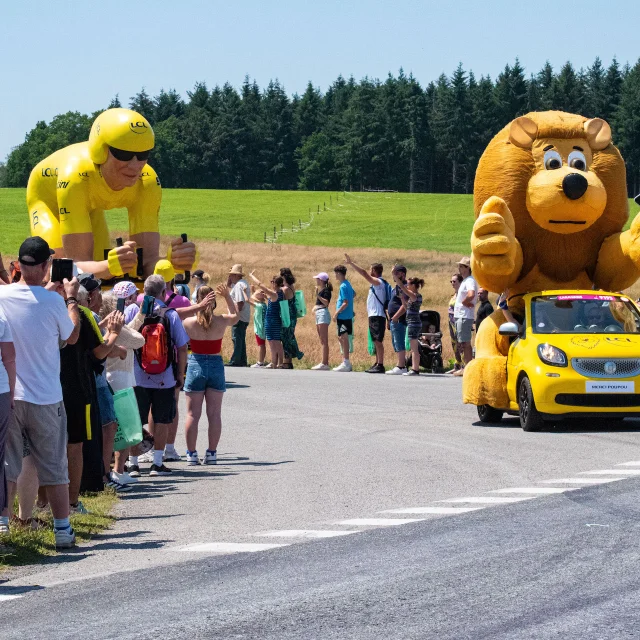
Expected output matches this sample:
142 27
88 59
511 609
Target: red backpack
157 354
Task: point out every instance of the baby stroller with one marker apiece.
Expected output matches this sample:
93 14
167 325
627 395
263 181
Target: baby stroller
430 359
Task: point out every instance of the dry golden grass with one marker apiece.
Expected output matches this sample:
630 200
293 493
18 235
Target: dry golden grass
435 267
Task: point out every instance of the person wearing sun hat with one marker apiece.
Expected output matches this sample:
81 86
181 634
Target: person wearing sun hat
463 311
240 292
324 290
128 292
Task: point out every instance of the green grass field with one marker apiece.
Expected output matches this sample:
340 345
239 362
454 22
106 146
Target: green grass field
438 222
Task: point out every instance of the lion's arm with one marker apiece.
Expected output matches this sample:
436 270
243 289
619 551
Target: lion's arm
496 259
618 265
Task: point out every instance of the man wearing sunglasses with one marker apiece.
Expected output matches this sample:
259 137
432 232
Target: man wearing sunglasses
69 191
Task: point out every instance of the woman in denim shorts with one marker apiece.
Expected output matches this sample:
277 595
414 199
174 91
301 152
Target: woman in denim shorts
323 316
205 371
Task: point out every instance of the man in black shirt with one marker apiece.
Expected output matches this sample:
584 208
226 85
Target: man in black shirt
485 308
398 320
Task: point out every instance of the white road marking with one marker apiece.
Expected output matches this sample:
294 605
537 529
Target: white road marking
304 533
229 547
538 490
378 522
582 480
3 598
614 472
635 463
489 500
434 510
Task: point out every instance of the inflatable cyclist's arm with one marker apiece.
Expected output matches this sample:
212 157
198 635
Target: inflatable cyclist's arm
144 218
78 237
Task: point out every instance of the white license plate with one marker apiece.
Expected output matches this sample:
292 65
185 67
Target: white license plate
610 387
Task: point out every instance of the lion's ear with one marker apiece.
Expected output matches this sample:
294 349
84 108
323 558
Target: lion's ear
523 132
598 133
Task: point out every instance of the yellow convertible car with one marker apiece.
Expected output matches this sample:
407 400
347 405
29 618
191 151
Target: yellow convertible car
576 355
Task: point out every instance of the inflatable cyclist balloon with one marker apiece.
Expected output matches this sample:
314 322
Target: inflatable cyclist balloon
550 199
69 191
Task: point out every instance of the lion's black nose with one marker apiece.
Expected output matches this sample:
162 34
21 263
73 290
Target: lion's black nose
574 185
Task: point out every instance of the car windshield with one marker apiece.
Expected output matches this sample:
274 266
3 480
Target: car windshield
584 313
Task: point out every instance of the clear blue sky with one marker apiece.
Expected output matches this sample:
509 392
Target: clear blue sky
73 55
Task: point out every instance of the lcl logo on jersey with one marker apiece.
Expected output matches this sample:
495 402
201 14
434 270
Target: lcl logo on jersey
49 172
137 127
64 211
84 174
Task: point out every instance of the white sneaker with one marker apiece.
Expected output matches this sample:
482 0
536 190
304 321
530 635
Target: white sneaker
171 455
192 458
396 371
258 365
4 528
65 538
343 367
146 457
211 457
321 367
123 478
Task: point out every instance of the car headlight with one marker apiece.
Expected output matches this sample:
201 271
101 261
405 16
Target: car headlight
552 355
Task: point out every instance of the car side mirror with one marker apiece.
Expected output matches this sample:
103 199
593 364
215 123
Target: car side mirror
510 329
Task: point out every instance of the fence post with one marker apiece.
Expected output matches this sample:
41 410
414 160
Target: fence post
300 222
325 206
318 208
265 236
330 200
282 229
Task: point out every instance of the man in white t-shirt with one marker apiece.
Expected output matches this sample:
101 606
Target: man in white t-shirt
40 323
377 303
464 309
240 292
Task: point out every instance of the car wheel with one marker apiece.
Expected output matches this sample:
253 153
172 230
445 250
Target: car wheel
530 418
487 413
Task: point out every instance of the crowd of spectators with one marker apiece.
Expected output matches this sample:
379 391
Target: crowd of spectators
66 349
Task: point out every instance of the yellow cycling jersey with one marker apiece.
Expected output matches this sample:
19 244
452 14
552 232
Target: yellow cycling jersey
67 194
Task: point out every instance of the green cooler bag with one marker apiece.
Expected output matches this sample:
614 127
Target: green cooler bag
129 431
301 305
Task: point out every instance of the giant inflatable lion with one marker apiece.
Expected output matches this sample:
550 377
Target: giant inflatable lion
550 200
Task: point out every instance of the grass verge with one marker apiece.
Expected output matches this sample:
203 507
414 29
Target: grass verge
24 546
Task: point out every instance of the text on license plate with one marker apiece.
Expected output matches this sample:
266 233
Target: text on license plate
610 387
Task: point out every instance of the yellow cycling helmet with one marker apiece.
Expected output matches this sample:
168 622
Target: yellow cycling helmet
122 129
165 269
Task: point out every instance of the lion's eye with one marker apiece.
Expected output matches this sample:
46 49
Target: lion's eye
577 161
552 159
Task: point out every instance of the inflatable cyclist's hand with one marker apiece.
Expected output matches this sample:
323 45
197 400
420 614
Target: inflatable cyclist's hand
496 250
123 259
183 255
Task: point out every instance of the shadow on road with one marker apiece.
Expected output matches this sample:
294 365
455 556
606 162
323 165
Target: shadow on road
571 425
17 591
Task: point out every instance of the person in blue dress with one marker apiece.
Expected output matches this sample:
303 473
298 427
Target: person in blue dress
273 320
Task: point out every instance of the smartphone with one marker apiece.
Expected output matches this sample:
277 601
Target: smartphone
147 305
61 269
120 305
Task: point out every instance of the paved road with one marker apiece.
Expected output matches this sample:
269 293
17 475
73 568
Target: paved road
309 454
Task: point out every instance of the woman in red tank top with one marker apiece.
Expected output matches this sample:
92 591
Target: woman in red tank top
205 371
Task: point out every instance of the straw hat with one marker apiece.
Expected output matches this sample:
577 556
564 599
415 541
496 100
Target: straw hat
236 270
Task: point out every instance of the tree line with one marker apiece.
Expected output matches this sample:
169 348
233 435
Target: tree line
372 134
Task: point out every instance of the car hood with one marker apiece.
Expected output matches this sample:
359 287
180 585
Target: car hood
596 345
